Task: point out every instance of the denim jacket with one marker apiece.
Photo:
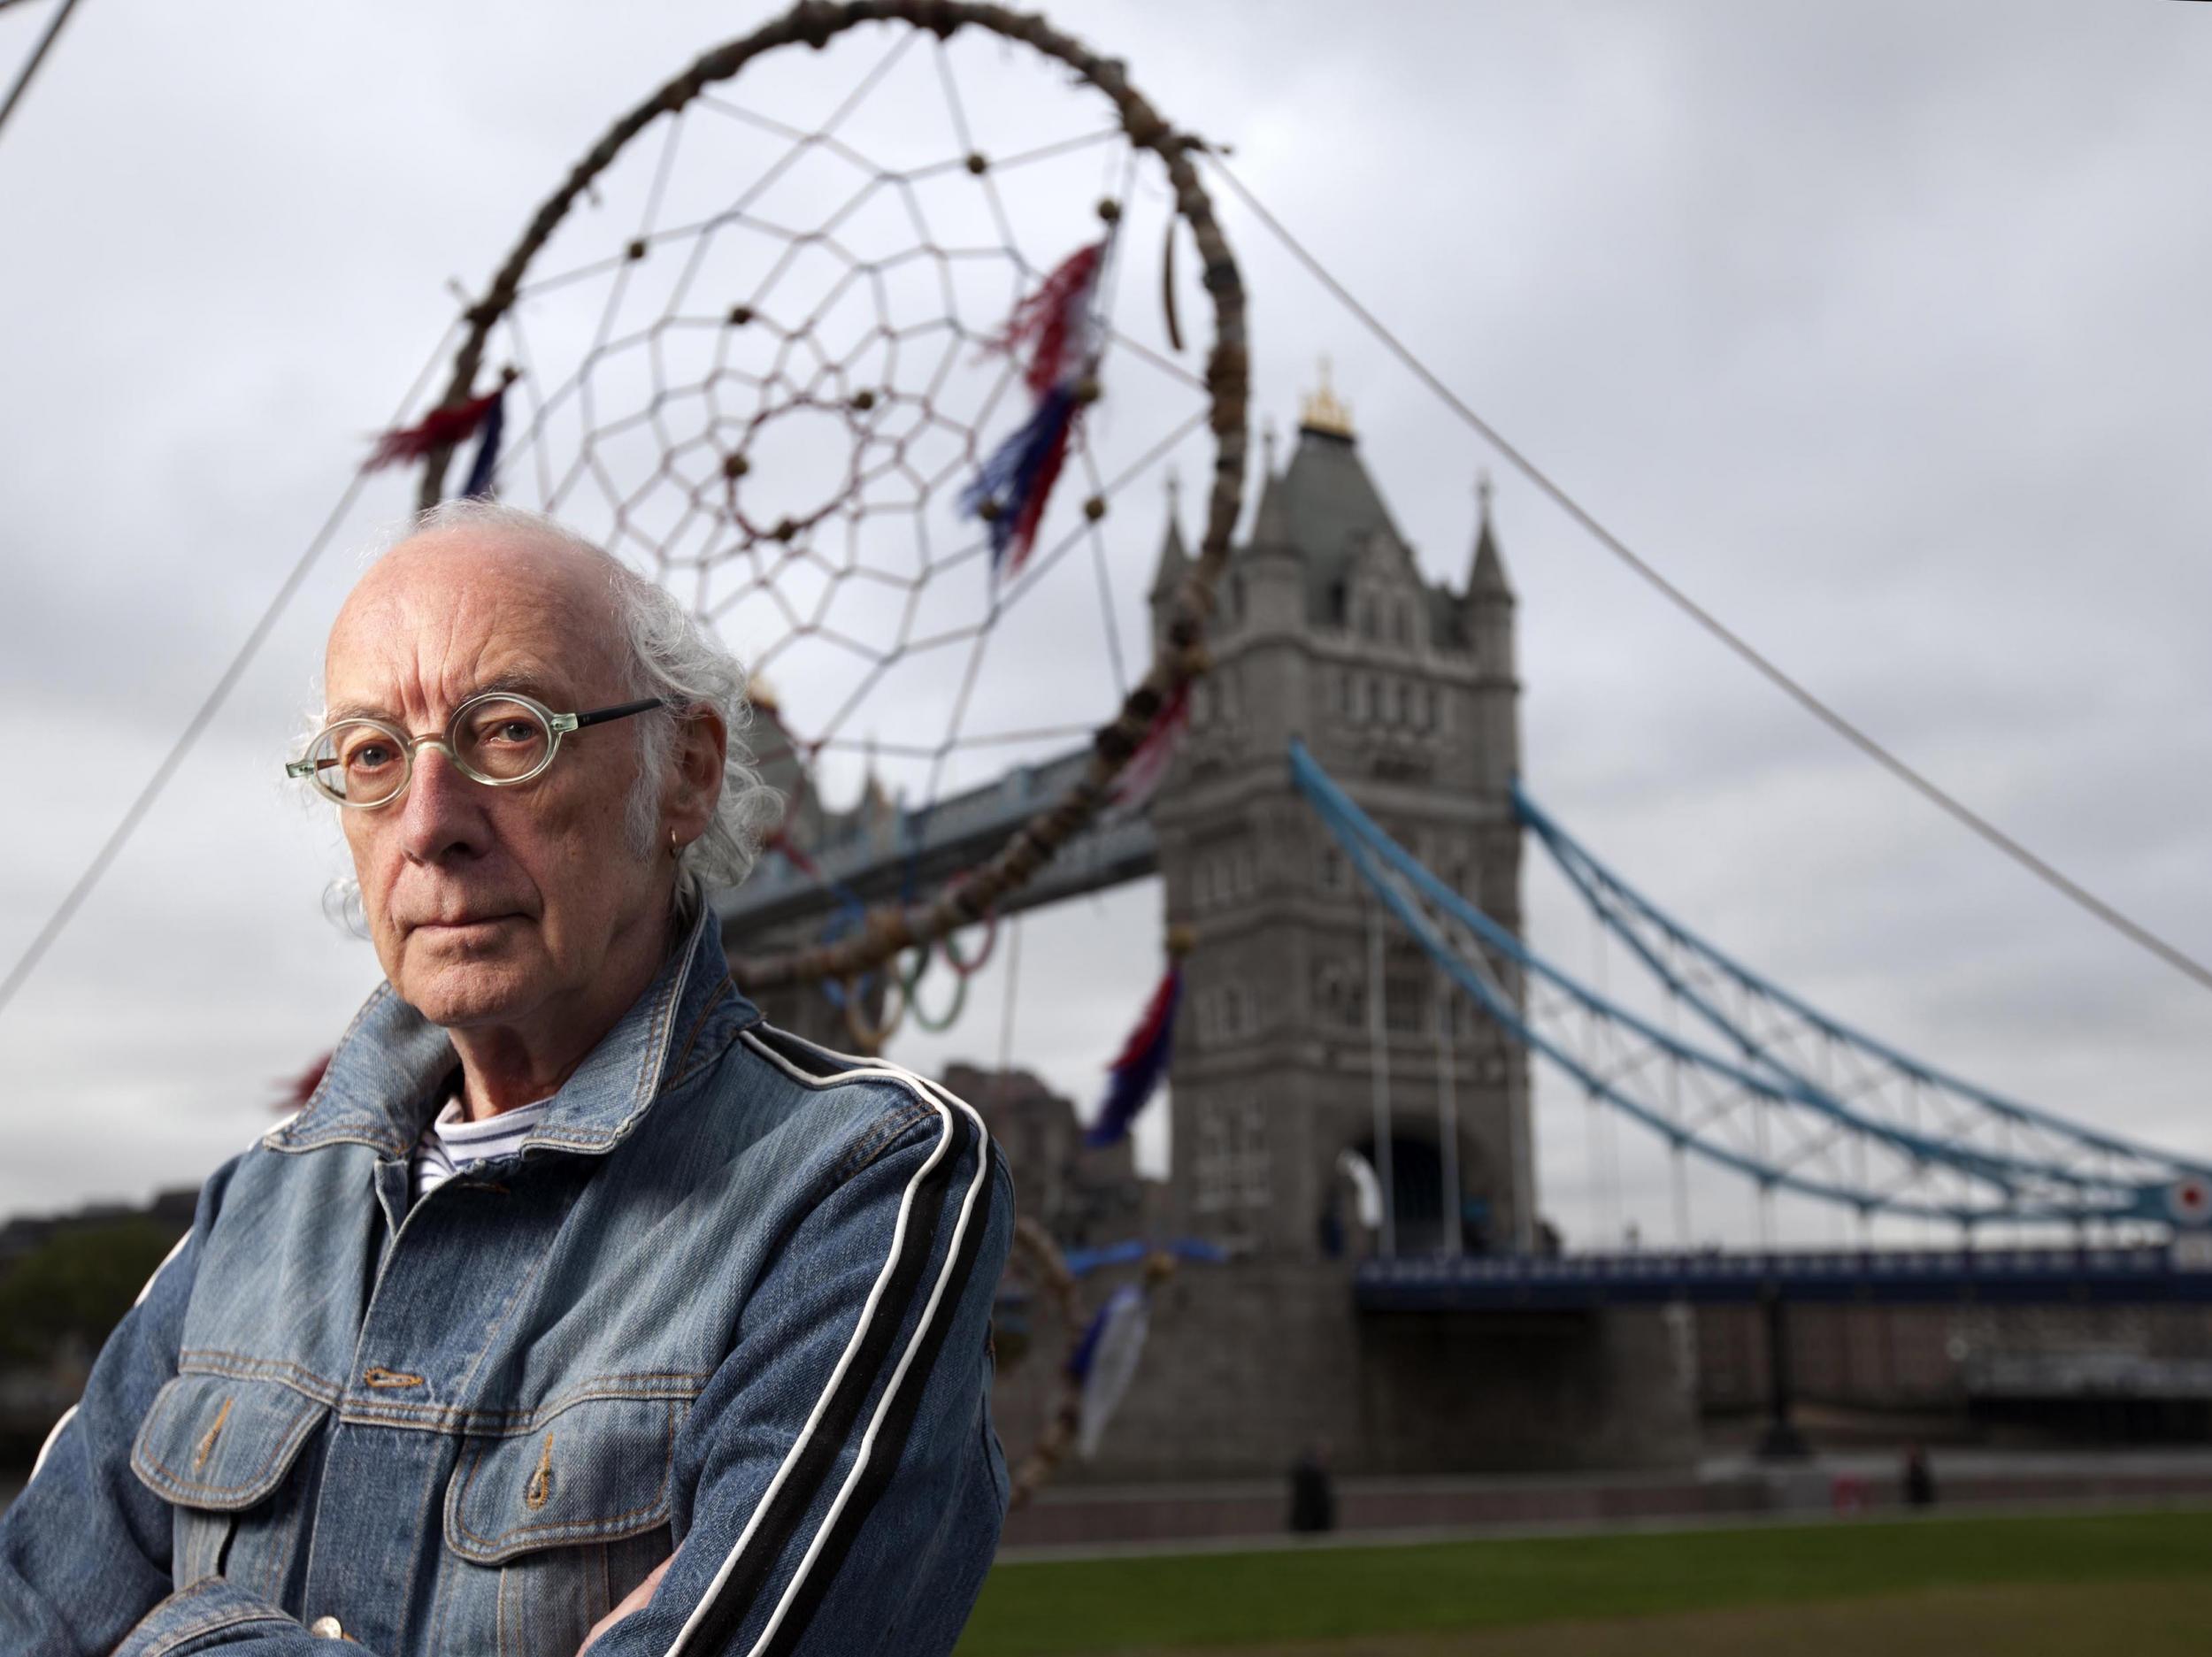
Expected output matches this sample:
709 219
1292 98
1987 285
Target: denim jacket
730 1299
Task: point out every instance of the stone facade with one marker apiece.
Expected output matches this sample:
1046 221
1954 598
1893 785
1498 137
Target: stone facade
1252 1363
1084 1198
1405 693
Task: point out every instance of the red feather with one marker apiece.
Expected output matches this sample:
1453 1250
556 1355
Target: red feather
301 1088
1156 1016
780 841
1045 316
443 427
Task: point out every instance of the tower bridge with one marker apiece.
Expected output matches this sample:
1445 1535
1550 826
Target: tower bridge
1343 827
1327 630
878 853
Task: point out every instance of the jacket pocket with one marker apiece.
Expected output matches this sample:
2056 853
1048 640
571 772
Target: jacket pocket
215 1448
555 1525
599 1470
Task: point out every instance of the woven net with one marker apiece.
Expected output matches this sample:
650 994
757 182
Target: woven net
756 355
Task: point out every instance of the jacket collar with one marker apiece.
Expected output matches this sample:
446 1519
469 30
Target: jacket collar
383 1079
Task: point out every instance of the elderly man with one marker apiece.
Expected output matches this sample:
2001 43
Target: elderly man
577 1306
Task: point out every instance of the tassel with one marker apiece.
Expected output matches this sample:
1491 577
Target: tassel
1011 489
793 854
479 486
1054 319
442 428
302 1087
1055 324
1105 1362
1135 1075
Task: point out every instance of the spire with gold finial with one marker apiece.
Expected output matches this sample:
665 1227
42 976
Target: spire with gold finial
1324 411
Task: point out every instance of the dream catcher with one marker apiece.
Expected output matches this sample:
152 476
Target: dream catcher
857 335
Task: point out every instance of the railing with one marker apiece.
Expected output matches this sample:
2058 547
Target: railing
1891 1276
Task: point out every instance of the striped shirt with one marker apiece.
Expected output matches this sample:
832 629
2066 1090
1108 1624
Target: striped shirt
452 1144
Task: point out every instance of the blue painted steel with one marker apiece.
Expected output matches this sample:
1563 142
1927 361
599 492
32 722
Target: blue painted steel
1594 880
1364 842
1597 885
1081 1263
1372 850
1505 1283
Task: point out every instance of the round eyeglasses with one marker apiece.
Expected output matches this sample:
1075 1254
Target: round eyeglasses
498 738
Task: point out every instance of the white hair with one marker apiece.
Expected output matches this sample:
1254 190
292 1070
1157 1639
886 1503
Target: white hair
673 655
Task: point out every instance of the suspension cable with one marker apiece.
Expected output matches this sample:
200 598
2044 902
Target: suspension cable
38 56
224 684
1929 790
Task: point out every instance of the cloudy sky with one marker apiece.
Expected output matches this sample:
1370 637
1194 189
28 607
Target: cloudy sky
1880 327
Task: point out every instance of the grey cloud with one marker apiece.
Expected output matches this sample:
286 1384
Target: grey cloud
1879 327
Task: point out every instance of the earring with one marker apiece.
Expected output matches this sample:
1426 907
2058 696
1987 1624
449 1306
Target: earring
674 850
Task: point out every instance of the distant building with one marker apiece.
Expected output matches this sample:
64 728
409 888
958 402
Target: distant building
1083 1198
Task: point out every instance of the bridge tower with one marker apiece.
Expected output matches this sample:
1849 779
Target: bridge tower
1405 690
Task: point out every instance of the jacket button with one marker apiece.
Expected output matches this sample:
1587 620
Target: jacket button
326 1628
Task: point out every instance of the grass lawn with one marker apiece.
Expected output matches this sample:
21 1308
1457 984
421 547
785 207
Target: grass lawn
2140 1582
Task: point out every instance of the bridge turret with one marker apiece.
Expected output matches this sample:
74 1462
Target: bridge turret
1328 631
1174 561
1487 621
1486 585
1264 596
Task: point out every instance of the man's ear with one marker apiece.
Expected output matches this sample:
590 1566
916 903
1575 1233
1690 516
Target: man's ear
695 784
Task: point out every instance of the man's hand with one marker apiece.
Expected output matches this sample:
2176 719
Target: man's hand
634 1600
